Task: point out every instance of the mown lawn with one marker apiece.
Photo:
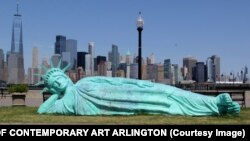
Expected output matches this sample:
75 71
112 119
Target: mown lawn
28 115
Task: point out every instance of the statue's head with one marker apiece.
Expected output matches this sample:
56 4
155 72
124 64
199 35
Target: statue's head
55 79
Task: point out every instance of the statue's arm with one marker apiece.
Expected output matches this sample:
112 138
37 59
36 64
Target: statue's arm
48 103
120 81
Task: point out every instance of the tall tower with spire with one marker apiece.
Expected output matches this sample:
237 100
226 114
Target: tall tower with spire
17 34
15 56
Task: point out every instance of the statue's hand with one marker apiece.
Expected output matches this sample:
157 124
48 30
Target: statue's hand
54 92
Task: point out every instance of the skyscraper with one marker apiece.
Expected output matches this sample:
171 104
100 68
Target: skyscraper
175 72
100 59
167 69
115 59
210 70
1 64
134 71
46 64
200 72
190 63
216 62
151 59
91 52
128 61
15 56
88 65
60 44
55 59
17 34
152 72
35 58
71 47
81 59
32 78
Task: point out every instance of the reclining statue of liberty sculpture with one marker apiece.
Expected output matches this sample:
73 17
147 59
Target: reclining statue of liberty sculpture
122 96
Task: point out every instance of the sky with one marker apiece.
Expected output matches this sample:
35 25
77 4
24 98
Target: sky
172 28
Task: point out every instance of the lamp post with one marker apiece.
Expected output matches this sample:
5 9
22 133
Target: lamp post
140 23
233 77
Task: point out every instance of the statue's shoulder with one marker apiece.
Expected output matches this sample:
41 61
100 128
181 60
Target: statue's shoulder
91 79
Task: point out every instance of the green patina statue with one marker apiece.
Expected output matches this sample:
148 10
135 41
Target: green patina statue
121 96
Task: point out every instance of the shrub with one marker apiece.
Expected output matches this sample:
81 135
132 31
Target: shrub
20 88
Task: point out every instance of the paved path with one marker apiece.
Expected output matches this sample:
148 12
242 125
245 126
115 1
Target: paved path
33 99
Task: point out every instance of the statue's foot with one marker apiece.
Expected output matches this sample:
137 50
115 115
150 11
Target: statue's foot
226 105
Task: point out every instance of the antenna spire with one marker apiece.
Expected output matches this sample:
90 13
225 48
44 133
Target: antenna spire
17 6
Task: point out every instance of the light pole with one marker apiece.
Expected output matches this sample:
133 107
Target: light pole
232 73
140 23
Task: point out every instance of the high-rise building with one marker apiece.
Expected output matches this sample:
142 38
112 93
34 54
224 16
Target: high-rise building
32 78
134 70
45 64
151 59
102 68
128 71
35 57
122 59
144 71
81 59
210 70
15 56
190 63
66 59
13 68
55 59
100 59
216 62
71 47
160 73
152 72
128 61
95 65
88 65
120 73
175 72
5 72
101 65
115 59
213 69
123 67
1 64
109 72
92 56
60 44
167 69
17 34
200 72
184 72
134 59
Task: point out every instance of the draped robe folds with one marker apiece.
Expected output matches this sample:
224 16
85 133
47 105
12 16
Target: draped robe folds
122 96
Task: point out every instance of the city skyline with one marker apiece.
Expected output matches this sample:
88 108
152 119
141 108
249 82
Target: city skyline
173 29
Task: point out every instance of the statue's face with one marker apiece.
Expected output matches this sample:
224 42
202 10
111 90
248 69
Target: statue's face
58 82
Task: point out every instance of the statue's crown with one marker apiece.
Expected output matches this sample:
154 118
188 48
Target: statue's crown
52 72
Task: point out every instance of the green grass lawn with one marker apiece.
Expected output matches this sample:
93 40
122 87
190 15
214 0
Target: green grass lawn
28 115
